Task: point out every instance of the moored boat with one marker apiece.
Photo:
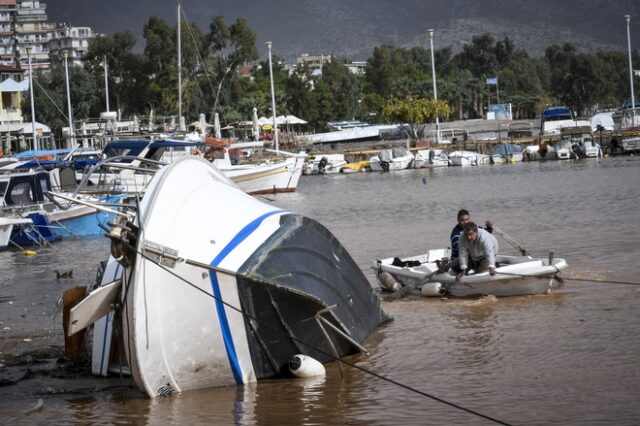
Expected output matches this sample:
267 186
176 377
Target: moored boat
467 158
391 159
431 158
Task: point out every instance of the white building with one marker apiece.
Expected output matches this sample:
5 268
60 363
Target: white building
74 40
23 23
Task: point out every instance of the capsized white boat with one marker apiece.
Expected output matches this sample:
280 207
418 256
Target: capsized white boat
223 289
516 275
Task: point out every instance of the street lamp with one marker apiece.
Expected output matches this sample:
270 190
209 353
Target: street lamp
435 88
360 108
273 98
33 109
72 132
633 99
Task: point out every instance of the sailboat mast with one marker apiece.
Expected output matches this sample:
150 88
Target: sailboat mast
179 45
273 98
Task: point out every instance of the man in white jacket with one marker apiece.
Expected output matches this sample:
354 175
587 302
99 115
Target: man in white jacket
478 250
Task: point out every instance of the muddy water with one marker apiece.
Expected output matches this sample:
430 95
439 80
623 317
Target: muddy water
565 358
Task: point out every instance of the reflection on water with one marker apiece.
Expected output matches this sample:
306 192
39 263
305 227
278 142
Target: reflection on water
569 357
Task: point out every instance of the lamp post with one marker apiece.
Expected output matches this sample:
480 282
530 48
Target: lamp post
360 108
435 87
273 98
72 132
33 109
633 99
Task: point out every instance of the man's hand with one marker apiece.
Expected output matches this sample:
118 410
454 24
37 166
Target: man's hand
492 271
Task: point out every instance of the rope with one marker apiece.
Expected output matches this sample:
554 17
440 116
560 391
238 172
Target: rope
367 371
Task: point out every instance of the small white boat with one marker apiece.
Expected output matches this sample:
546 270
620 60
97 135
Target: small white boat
539 152
431 158
222 288
516 275
630 145
506 153
468 158
563 149
325 164
391 159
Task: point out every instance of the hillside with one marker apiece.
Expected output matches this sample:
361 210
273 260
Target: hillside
350 28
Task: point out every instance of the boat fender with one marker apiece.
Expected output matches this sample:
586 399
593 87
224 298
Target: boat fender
305 366
388 281
384 165
433 290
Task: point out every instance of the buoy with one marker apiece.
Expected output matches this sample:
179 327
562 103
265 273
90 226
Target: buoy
29 253
388 281
433 290
305 366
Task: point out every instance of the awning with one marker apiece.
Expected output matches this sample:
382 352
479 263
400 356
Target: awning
10 85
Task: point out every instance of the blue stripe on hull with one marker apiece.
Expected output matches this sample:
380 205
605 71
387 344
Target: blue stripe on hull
222 315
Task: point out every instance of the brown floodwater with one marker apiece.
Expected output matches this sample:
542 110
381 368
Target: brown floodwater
570 357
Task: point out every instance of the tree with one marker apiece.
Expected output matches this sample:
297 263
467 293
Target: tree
415 112
230 47
127 78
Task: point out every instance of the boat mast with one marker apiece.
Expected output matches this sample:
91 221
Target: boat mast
273 98
179 72
72 132
627 18
33 110
106 81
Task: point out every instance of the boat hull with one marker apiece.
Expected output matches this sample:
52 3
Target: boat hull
516 275
267 178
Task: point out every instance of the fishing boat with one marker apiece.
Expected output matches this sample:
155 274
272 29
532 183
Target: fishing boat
224 289
515 275
280 174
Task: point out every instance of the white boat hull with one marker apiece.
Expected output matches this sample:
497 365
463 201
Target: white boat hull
282 176
467 158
